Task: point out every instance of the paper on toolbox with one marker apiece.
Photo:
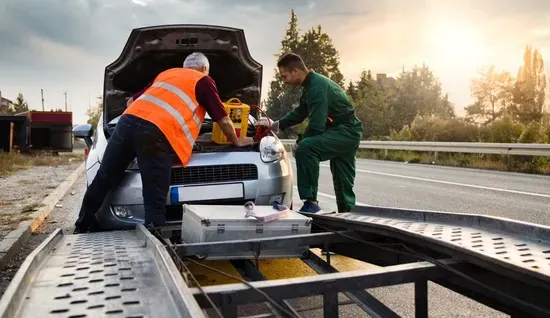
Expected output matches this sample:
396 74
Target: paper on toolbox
325 213
266 216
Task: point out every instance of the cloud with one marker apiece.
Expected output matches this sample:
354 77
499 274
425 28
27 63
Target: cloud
62 45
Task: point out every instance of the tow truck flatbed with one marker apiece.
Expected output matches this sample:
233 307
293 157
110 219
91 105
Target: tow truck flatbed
501 263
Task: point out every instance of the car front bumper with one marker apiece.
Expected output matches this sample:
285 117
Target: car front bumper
124 206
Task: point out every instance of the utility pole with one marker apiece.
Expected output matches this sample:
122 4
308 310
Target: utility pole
42 94
65 100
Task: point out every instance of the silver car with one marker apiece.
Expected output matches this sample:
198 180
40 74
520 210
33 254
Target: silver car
216 174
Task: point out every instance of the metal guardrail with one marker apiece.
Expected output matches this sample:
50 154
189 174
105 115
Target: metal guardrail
459 147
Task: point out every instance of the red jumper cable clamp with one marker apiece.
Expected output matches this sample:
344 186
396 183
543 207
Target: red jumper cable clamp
261 131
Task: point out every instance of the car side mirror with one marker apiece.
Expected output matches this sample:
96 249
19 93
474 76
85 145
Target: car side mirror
84 131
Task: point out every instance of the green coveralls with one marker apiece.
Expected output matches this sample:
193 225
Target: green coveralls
337 141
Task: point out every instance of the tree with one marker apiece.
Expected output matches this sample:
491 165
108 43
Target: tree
418 92
94 113
316 49
280 99
493 95
529 91
352 91
318 52
20 105
372 102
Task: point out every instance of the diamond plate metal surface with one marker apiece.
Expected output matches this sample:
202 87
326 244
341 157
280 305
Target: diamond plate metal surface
515 249
108 274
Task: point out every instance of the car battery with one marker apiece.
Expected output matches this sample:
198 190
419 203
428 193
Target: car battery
238 113
211 223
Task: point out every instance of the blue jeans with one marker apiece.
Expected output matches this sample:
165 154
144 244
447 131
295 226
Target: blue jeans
133 137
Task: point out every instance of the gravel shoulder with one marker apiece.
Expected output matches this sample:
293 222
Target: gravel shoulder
62 217
21 193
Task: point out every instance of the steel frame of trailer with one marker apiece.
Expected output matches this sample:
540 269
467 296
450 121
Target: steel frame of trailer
501 263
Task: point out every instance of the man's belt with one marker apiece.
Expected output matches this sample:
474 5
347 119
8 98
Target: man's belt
340 120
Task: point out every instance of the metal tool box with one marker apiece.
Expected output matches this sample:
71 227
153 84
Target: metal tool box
206 223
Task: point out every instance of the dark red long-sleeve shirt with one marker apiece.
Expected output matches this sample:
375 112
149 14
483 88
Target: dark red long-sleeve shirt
207 96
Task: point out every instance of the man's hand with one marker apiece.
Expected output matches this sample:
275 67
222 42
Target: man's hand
244 141
273 125
294 148
226 126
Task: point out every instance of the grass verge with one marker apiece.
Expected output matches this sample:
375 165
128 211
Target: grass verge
524 164
12 162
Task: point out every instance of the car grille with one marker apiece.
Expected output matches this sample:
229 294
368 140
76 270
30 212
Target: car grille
216 173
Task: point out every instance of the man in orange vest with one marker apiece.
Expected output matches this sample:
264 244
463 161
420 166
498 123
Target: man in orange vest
165 119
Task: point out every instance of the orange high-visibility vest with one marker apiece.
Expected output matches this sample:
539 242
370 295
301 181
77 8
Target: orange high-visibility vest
171 105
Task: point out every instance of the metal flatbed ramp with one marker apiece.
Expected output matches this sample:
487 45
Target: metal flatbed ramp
108 274
501 263
505 245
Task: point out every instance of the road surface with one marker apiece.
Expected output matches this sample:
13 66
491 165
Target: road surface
512 195
518 196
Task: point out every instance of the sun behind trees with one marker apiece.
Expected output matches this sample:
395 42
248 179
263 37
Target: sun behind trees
412 106
384 104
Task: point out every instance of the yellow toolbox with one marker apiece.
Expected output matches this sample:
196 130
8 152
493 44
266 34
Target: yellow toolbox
238 113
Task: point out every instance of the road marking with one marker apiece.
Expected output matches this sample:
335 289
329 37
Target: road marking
448 182
451 183
330 196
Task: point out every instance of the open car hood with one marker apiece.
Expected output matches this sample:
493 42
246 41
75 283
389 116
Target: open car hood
151 50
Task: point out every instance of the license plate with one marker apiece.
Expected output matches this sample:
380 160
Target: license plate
206 192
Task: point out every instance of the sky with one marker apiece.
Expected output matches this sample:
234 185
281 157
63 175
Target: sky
64 45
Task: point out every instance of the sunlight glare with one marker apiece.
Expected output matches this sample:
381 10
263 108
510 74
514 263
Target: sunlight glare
456 44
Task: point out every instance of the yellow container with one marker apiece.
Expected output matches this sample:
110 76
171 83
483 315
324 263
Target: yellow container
238 113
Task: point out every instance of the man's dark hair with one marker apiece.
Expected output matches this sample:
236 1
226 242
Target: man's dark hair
291 61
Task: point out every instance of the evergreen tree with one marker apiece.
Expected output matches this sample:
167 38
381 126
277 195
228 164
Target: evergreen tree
20 105
316 49
319 54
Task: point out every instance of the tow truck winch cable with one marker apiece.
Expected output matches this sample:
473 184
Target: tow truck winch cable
188 272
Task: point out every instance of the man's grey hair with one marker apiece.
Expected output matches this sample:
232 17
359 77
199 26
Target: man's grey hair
197 61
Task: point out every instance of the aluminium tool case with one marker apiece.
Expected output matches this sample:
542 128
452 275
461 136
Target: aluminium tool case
211 223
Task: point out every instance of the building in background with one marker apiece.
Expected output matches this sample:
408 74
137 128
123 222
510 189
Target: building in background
5 104
382 78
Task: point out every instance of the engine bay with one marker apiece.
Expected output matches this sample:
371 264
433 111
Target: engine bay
204 142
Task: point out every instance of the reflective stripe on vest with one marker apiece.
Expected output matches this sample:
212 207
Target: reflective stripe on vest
172 112
182 96
170 104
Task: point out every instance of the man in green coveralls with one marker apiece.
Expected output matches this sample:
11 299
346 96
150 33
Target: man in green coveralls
333 133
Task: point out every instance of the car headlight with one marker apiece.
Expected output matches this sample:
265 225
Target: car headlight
271 149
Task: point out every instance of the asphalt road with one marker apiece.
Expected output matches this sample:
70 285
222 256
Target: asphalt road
382 183
512 195
518 196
